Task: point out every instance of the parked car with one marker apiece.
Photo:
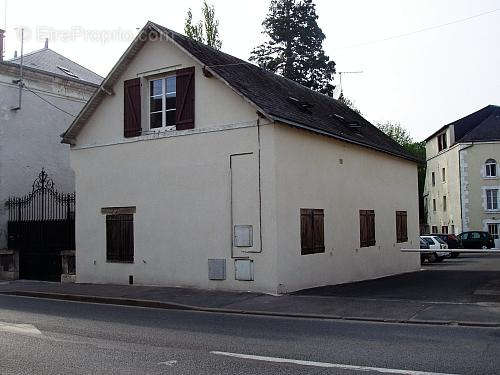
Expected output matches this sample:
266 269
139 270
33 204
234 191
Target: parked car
452 241
436 247
476 240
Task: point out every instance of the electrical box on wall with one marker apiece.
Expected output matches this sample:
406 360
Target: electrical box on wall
243 269
243 236
217 269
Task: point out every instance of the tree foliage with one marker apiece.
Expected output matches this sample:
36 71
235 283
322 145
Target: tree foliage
205 30
348 102
294 48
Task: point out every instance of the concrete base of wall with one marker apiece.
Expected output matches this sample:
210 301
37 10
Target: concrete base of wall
66 278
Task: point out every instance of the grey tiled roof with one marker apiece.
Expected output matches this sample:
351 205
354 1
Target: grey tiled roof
481 126
52 62
288 101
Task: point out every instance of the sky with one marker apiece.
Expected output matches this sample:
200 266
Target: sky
422 80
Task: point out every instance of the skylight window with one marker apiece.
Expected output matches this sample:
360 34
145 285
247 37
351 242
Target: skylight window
67 71
301 104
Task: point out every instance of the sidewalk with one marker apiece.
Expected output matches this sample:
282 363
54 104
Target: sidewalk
310 306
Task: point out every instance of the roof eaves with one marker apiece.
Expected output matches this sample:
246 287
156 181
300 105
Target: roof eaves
41 71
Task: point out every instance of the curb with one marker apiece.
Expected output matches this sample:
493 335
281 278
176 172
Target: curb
178 306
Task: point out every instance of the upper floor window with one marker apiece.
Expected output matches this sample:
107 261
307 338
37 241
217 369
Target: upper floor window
433 179
492 199
442 143
491 168
162 103
443 174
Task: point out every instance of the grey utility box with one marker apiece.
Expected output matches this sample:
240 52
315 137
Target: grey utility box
217 269
243 269
243 236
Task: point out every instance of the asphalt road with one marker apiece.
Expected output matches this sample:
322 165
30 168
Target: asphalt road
54 337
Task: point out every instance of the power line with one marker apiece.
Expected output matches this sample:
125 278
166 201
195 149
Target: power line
48 102
420 30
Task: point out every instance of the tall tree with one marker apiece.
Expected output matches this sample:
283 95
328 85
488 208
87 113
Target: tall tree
206 30
294 47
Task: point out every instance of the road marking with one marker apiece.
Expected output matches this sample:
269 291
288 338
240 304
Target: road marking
168 363
22 329
326 365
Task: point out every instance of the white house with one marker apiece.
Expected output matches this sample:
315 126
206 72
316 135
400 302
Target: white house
463 175
195 168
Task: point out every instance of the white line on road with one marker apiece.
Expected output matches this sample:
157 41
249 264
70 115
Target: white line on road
168 363
22 329
326 365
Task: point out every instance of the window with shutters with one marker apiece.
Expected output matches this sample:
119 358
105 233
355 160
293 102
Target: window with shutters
367 228
442 144
162 103
120 238
312 229
401 226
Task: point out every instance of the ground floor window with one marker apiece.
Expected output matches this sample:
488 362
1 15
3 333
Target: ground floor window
493 229
312 229
444 229
119 234
434 229
366 228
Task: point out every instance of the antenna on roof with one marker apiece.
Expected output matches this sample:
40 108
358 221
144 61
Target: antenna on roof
340 76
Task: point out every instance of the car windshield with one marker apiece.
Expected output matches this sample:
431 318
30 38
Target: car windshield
439 240
429 240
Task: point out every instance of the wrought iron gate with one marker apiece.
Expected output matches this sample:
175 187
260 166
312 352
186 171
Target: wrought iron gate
41 225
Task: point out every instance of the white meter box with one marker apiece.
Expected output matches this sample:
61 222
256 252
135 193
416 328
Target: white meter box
243 236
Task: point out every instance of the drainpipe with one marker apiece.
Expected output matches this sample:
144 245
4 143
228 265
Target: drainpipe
460 182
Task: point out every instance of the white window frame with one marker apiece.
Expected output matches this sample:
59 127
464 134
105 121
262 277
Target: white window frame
496 232
489 166
495 204
163 95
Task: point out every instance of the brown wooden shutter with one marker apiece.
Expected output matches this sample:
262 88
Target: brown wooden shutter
132 108
319 231
371 224
185 98
306 231
401 226
363 229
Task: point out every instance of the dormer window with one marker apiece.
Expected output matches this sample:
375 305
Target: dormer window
67 71
442 143
162 103
491 168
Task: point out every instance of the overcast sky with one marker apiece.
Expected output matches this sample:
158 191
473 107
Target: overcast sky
423 80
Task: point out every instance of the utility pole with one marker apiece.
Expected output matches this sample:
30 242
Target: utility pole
20 80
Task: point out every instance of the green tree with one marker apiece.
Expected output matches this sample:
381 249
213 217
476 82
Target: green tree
206 30
348 102
294 48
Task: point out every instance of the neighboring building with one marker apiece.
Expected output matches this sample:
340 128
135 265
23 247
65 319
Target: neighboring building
463 175
195 168
54 90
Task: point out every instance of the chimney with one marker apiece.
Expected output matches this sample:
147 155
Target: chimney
2 32
46 43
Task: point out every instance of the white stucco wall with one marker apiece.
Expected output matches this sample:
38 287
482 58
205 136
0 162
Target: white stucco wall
30 137
315 171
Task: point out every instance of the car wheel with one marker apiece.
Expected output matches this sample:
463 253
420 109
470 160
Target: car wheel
484 247
455 255
433 258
